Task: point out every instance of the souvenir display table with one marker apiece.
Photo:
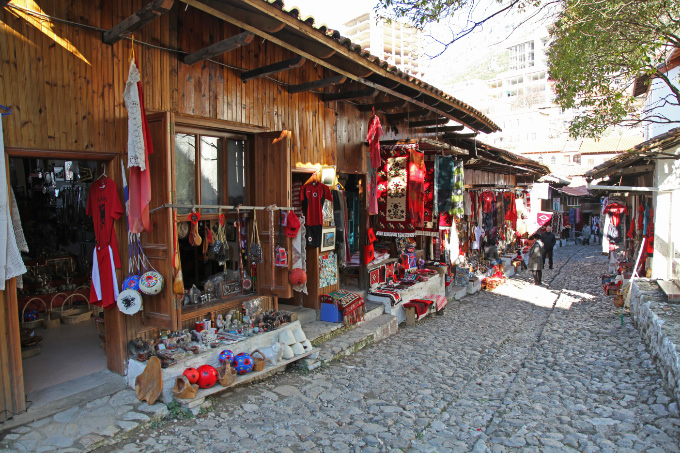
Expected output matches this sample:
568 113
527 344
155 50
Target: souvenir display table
434 286
211 357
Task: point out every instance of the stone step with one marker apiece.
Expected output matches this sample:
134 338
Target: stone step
348 342
321 331
305 315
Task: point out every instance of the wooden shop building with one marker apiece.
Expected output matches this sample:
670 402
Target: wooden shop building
221 81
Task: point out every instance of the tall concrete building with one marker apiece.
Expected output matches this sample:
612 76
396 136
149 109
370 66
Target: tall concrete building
395 42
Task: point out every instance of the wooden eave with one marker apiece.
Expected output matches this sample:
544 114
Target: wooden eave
302 38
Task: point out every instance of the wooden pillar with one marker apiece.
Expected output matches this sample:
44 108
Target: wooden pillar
12 397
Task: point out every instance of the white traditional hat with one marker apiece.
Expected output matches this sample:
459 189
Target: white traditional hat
129 302
299 335
287 337
287 352
298 349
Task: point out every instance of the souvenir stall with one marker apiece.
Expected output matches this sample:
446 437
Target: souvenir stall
626 221
419 193
497 218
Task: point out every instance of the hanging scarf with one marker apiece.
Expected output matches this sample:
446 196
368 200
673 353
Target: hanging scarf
443 183
139 148
416 183
375 131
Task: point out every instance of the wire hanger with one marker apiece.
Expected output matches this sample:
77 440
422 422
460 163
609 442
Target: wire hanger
5 110
103 175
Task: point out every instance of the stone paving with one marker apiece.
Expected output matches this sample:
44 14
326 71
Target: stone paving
527 368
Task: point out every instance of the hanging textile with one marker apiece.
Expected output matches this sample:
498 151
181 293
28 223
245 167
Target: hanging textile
393 191
650 233
467 204
487 201
443 189
416 187
431 219
103 205
510 207
572 217
375 131
299 256
11 263
372 188
453 244
522 215
139 148
614 232
458 184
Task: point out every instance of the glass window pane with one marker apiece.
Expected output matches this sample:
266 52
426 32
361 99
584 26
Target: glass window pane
236 155
212 174
185 170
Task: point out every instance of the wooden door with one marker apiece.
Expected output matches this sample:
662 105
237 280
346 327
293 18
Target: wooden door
161 310
271 184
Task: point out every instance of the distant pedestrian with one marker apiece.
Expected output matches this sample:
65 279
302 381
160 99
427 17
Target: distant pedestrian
585 235
549 241
536 258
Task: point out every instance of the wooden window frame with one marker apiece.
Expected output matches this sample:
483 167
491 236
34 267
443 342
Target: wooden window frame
209 131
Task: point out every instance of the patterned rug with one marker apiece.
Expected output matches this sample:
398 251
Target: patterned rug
351 305
393 192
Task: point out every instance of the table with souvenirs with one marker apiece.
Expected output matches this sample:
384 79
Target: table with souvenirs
417 287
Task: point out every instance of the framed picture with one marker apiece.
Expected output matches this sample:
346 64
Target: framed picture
68 170
327 239
327 176
230 232
59 174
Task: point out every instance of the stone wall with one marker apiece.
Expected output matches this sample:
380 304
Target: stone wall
659 325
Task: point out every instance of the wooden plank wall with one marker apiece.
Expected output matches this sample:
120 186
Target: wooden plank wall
478 177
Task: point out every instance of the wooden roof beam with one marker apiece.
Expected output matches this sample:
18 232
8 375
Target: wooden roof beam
383 106
262 22
455 136
133 23
4 3
273 68
336 80
226 45
406 115
431 122
343 96
444 129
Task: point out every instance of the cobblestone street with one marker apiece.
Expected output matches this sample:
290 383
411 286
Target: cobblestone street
547 368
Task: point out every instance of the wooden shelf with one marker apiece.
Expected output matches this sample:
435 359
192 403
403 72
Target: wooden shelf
196 311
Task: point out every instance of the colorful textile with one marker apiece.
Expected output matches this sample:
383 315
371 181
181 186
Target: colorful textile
543 217
510 207
416 187
487 201
375 131
458 185
312 196
421 306
408 259
351 305
394 296
439 300
374 276
140 146
389 272
430 218
443 187
650 233
328 270
393 192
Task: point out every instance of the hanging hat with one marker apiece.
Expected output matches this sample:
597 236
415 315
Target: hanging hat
297 276
292 225
129 302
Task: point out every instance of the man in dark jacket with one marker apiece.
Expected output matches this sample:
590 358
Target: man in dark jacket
549 240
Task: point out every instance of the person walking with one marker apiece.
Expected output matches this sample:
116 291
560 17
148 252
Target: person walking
549 241
536 260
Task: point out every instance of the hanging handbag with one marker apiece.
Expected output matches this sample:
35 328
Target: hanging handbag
369 249
220 244
281 252
194 236
255 252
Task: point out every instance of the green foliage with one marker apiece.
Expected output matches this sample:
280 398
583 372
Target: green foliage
599 48
177 412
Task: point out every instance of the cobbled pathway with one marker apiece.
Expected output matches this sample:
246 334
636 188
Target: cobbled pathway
523 368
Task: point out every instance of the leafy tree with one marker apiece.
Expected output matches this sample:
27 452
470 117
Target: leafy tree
599 48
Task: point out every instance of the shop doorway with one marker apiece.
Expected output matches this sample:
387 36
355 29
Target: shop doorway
62 337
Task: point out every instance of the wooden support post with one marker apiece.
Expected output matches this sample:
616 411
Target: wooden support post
274 68
369 92
142 17
316 84
443 129
410 317
219 48
383 106
431 122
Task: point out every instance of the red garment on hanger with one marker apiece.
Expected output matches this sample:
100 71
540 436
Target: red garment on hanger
416 187
510 208
617 210
641 216
488 199
650 232
312 196
631 231
104 206
375 131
